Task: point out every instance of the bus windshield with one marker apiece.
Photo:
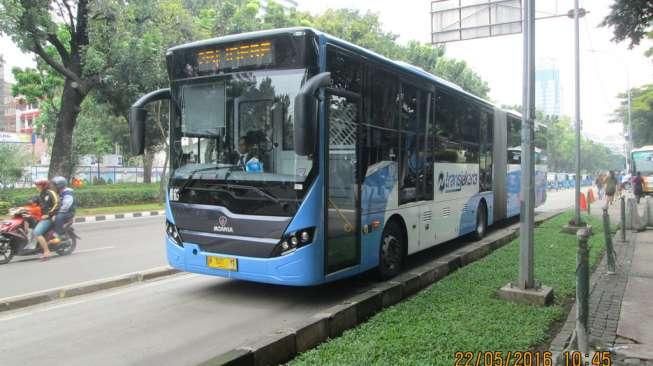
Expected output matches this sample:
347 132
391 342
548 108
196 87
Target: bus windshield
238 129
643 162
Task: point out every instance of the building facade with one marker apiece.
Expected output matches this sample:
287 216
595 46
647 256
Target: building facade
547 89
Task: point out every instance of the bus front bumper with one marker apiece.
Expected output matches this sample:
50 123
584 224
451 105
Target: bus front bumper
294 269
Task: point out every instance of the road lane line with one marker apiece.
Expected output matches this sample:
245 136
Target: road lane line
66 302
93 249
120 220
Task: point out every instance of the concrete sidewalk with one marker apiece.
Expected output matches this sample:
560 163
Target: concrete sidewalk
635 330
621 304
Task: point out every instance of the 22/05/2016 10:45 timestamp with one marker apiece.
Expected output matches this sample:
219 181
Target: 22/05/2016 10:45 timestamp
530 358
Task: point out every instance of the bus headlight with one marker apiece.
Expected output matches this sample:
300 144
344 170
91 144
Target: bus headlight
291 241
173 233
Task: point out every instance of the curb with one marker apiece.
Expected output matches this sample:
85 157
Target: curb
39 297
282 346
122 216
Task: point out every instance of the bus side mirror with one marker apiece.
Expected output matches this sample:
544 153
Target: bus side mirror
305 114
137 117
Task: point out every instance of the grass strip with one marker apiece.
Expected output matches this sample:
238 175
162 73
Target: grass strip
462 313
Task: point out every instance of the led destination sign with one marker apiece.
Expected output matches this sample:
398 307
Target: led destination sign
233 57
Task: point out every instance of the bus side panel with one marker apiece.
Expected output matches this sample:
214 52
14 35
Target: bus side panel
469 210
378 198
513 184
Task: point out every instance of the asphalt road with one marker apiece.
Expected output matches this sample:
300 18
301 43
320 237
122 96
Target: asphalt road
179 320
106 249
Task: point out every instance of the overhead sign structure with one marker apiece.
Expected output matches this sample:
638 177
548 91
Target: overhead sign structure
457 20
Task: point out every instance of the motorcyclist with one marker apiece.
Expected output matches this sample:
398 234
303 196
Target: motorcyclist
66 210
49 202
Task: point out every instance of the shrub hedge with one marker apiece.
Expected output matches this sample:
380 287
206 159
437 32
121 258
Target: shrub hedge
93 196
4 207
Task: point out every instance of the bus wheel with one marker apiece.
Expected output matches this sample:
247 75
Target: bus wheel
391 258
481 222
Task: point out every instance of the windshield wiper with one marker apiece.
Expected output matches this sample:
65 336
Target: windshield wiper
257 190
191 180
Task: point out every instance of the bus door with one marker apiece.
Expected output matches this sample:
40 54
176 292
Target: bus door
342 188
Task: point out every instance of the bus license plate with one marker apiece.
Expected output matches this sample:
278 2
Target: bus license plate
228 264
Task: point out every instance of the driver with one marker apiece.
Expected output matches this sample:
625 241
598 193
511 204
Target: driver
49 202
247 160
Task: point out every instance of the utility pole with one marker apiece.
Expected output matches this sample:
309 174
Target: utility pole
527 290
577 109
630 134
527 207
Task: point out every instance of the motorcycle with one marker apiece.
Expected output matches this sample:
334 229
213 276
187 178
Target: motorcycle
16 236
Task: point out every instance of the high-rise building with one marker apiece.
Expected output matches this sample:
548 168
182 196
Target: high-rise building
547 88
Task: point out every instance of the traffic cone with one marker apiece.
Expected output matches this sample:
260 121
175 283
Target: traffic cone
590 195
583 201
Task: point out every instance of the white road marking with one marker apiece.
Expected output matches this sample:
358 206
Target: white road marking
119 220
93 249
66 302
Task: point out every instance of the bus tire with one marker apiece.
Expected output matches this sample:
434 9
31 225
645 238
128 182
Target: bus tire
391 251
481 221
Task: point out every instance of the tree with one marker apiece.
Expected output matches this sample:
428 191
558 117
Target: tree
12 161
135 60
630 19
32 26
641 114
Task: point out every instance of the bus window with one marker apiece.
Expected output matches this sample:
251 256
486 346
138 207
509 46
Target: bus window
485 165
385 98
447 143
413 155
346 71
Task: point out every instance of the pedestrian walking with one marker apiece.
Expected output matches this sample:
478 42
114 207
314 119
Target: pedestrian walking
638 186
611 187
600 184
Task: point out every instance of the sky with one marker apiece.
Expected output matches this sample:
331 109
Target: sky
606 68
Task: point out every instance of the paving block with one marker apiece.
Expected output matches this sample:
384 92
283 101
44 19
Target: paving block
390 292
312 332
341 317
274 349
367 304
474 252
410 284
234 357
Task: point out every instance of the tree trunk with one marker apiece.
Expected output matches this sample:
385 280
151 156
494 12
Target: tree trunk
60 162
148 160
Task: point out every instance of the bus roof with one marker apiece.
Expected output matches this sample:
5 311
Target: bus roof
401 65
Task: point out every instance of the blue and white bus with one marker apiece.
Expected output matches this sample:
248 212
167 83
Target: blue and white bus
298 158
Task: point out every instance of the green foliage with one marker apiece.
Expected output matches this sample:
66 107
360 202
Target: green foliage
4 207
630 19
462 313
119 55
641 114
12 161
94 196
